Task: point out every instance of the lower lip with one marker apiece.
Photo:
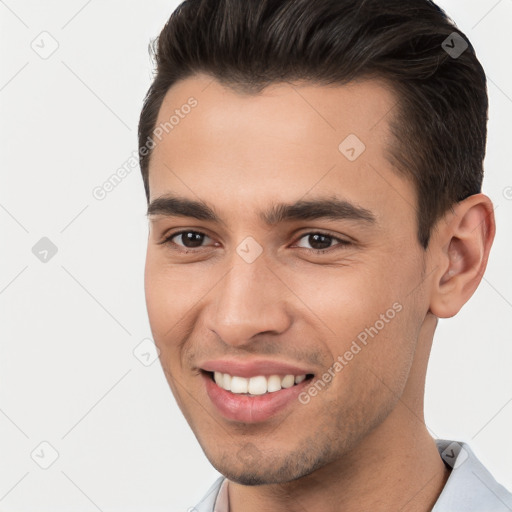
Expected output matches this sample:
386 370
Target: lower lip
251 409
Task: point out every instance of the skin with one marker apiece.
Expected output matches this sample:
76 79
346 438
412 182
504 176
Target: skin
362 442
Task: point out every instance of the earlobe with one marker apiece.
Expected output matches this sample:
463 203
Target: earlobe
461 249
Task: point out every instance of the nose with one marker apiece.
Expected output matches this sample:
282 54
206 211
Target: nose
249 300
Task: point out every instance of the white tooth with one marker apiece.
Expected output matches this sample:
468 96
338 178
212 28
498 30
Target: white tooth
288 381
274 383
257 385
299 379
226 382
239 384
217 377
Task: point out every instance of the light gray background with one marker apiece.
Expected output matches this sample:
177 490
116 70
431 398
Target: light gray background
69 326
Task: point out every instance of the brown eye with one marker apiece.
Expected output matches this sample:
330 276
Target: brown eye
320 241
188 239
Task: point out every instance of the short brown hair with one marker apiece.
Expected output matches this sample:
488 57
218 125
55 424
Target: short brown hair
439 124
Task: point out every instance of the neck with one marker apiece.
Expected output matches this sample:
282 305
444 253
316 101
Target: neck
395 467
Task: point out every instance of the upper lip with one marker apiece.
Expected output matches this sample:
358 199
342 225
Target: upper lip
253 367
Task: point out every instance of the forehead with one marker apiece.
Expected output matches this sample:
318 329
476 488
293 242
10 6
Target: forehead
280 144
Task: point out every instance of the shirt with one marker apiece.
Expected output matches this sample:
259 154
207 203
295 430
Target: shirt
469 488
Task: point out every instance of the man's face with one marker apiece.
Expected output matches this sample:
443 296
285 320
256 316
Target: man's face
243 292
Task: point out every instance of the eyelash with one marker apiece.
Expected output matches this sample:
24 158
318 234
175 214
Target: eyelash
342 243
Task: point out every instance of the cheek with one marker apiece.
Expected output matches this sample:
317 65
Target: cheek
175 295
346 300
387 342
157 297
369 318
167 297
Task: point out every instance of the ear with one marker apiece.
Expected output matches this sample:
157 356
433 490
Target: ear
460 249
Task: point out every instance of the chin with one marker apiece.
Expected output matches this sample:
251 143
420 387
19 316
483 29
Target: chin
266 470
249 478
253 476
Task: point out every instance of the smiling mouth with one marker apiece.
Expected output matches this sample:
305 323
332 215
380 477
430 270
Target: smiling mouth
257 385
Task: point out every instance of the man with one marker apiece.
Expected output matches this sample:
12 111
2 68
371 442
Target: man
313 172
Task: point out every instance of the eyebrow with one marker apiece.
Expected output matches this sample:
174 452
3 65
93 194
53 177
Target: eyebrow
322 208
